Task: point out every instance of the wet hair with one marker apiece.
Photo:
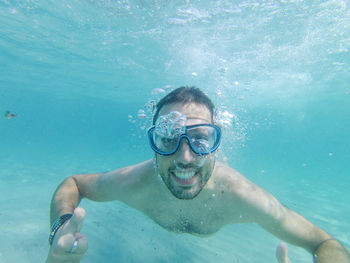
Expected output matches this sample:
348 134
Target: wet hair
185 95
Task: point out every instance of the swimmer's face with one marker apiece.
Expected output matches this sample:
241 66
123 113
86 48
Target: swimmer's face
185 173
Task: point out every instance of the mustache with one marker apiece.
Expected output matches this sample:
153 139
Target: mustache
188 166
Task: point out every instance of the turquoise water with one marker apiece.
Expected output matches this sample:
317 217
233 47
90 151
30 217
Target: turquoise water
76 73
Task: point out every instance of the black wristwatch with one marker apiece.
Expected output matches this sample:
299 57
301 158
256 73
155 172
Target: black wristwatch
57 224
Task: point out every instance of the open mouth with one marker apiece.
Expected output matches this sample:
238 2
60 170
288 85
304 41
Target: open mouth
185 178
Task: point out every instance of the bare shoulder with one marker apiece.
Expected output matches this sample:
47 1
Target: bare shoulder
235 182
249 198
130 176
115 184
131 173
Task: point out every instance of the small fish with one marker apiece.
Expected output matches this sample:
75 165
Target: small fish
9 115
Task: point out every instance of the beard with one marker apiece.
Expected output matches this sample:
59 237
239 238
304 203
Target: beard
187 191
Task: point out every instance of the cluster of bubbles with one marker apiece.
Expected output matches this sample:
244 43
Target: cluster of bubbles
171 125
144 116
224 119
234 132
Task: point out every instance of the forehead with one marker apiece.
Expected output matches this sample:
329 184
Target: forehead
194 112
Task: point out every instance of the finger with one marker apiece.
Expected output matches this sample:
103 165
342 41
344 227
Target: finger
76 222
282 253
64 251
82 245
66 243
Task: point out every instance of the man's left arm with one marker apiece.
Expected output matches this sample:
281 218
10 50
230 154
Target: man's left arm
295 229
331 251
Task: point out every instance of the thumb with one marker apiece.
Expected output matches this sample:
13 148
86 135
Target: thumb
282 253
76 222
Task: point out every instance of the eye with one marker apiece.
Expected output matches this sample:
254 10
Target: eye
201 137
201 144
168 142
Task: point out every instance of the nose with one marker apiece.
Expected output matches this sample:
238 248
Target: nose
185 154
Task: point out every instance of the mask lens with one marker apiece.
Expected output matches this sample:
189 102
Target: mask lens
203 138
164 144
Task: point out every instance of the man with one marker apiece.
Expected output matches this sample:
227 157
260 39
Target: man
196 195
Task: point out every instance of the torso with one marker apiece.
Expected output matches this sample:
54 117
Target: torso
197 218
203 215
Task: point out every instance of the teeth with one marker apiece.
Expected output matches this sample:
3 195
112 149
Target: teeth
185 174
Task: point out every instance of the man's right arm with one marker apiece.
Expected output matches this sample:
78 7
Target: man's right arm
64 201
100 187
114 185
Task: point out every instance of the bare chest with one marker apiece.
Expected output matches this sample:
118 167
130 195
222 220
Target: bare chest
194 218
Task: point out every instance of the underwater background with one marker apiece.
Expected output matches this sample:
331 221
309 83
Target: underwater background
78 81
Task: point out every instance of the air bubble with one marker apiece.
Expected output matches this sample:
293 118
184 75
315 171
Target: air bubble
141 114
131 119
157 91
150 106
167 87
224 118
13 11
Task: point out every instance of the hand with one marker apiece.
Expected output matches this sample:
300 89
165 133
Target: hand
68 244
281 253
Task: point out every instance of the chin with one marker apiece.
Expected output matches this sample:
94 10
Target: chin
185 192
184 195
